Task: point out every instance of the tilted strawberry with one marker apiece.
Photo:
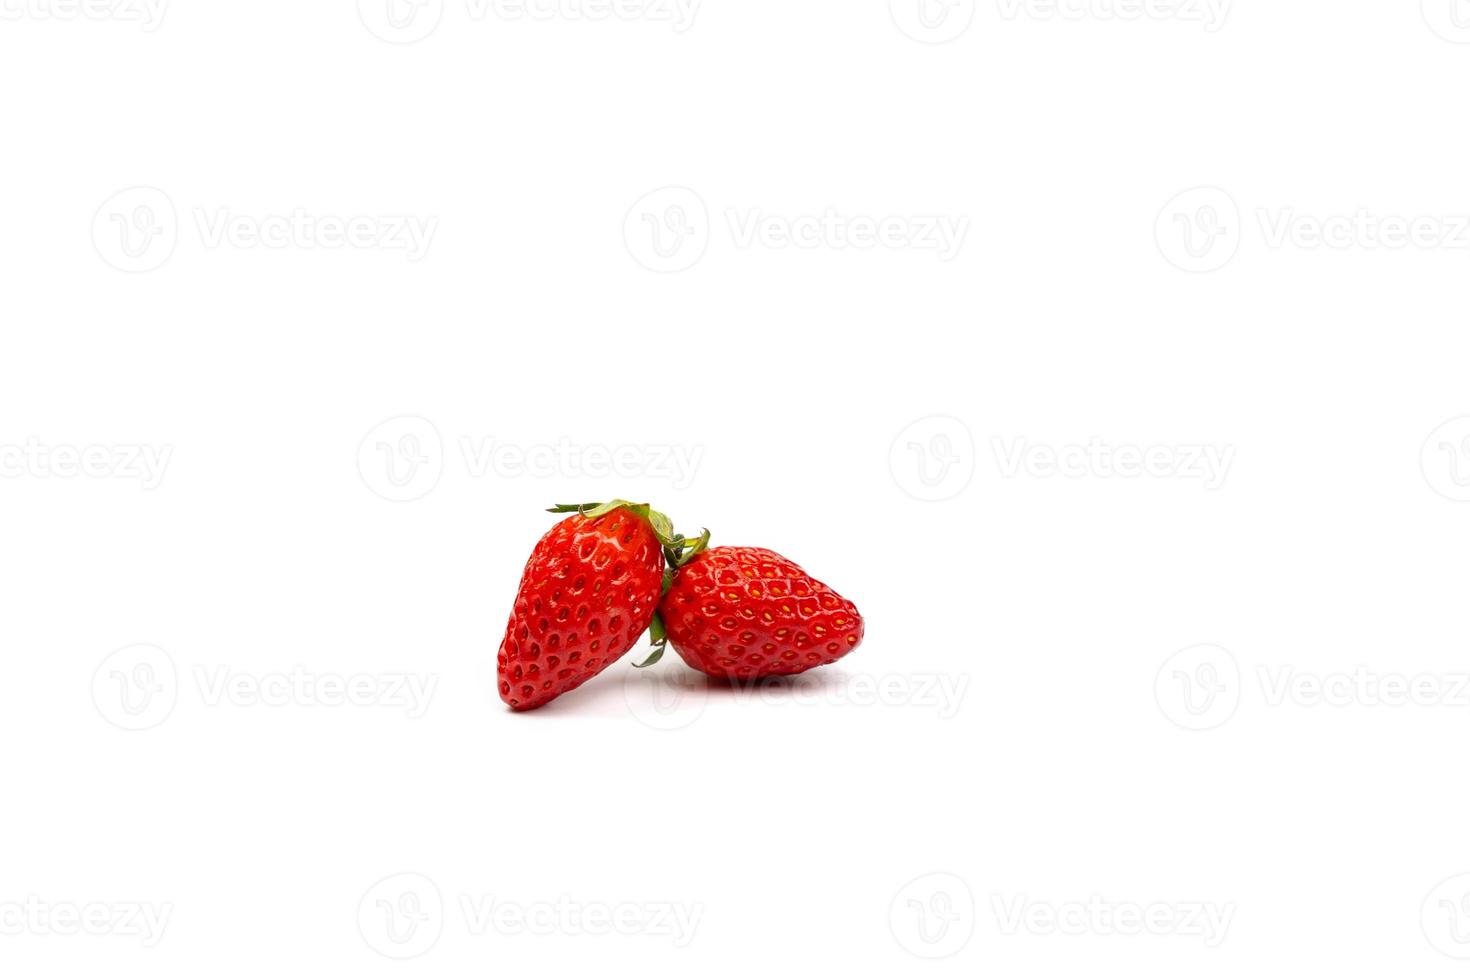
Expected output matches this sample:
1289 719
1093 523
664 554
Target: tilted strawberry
588 592
745 613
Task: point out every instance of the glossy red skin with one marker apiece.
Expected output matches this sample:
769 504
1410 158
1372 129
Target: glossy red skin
588 593
744 613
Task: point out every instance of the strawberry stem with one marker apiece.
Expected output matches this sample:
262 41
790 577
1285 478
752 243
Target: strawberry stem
658 634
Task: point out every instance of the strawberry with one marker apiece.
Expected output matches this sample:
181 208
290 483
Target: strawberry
745 613
589 591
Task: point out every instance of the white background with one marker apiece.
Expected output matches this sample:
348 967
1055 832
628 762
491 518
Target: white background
862 822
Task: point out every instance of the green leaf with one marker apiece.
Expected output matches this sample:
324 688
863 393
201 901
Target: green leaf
688 550
571 508
663 528
660 637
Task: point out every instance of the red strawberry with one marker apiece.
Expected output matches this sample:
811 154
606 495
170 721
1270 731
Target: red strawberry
588 592
744 613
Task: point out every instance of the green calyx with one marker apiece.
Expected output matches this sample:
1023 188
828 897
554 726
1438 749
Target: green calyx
678 552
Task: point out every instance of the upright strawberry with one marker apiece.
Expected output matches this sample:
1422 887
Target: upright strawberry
745 613
587 594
